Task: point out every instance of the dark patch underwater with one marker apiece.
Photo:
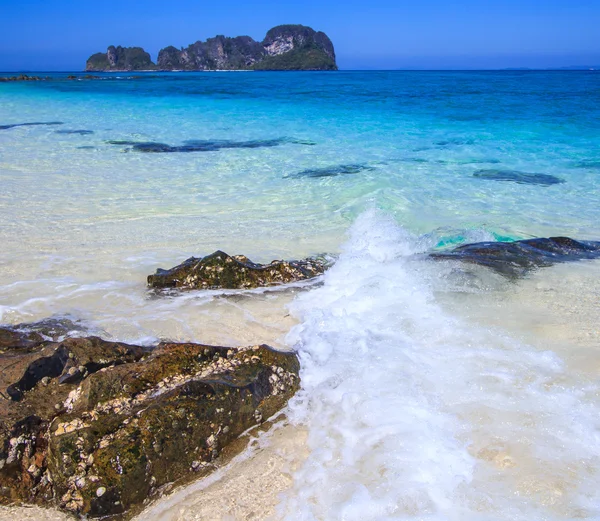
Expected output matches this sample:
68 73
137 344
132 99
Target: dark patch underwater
515 176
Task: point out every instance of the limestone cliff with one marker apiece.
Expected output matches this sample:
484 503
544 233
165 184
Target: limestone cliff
285 47
120 59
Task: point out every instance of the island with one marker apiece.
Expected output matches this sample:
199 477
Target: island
285 47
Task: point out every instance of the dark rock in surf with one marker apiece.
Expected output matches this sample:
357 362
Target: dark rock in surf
97 428
514 259
331 171
27 335
222 271
515 176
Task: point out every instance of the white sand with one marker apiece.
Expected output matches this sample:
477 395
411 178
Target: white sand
555 308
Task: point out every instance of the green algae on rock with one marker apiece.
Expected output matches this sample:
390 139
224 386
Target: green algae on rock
109 425
222 271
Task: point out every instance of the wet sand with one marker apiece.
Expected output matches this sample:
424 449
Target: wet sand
554 309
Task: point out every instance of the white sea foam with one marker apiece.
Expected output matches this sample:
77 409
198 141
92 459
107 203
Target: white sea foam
413 414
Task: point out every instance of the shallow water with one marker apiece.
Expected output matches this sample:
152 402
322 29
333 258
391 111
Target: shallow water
430 391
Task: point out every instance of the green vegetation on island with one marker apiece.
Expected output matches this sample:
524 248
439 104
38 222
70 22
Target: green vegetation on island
120 59
285 47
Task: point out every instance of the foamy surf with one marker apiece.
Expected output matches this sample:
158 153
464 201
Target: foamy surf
415 414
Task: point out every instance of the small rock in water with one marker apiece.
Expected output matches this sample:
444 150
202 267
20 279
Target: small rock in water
330 171
518 177
22 336
220 270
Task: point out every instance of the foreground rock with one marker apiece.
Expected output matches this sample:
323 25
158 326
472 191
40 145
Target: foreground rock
222 271
97 427
285 47
514 259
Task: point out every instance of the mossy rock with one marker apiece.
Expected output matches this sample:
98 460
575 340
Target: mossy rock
129 420
222 271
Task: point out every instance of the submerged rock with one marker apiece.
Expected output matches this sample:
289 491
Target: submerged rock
79 132
97 427
220 270
514 259
590 164
455 141
518 177
34 124
331 171
205 145
23 336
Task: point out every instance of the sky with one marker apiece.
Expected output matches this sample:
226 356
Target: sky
54 35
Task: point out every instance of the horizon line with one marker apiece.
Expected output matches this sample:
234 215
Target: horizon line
568 68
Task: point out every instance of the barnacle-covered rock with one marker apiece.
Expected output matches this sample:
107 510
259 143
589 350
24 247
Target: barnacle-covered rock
97 427
220 270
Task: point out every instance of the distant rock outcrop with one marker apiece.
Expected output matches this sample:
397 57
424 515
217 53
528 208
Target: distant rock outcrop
120 59
285 47
297 47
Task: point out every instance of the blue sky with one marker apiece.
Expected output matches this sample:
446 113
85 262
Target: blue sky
375 34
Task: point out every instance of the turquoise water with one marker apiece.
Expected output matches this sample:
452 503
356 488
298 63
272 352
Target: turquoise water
292 164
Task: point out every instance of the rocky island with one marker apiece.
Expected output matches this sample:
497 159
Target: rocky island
285 47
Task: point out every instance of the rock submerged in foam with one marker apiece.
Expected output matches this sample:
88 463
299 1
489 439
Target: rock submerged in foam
515 176
96 427
222 271
514 259
27 335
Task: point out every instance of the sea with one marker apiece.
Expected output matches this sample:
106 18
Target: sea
430 390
